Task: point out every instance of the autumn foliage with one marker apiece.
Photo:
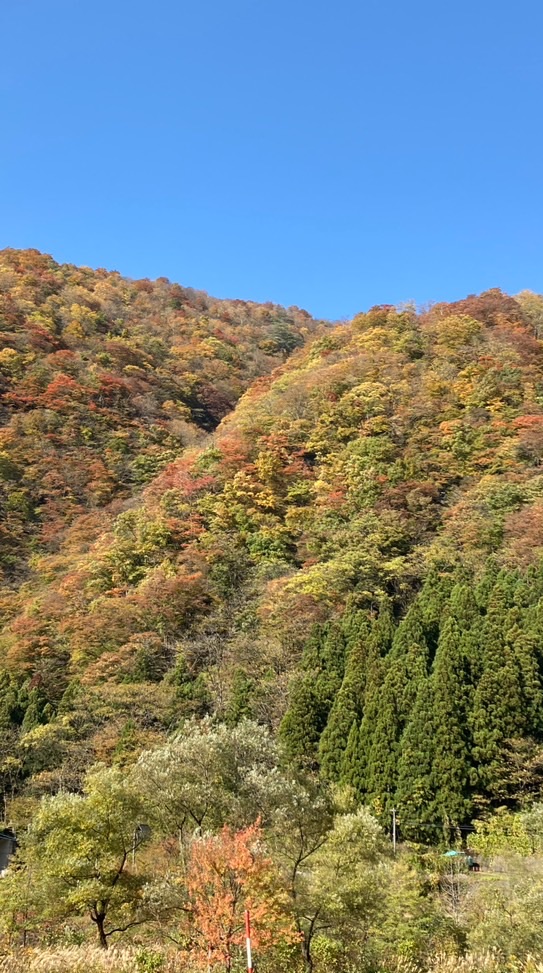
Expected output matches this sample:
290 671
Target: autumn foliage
229 873
191 489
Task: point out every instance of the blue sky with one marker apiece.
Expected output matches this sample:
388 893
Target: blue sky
332 155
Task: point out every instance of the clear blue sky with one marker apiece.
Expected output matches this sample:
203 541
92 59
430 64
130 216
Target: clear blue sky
327 154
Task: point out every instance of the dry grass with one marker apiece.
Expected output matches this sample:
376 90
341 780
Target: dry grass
89 959
481 963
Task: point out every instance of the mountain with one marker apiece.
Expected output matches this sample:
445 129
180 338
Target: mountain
104 381
227 508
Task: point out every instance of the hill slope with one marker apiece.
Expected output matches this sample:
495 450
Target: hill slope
332 529
104 381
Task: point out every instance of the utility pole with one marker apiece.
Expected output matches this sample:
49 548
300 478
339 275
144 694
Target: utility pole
394 830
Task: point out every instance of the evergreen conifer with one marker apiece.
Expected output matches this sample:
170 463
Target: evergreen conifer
353 767
415 793
35 713
406 668
507 700
346 712
452 691
239 707
313 693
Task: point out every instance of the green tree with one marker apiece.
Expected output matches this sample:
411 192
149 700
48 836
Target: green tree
239 706
313 693
11 712
343 887
415 792
433 602
37 710
345 713
75 859
452 691
508 699
352 770
209 775
406 668
353 765
304 721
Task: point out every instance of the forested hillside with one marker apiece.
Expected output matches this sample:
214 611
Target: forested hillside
105 380
357 545
351 557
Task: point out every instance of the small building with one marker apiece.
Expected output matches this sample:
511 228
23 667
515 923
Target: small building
8 844
463 859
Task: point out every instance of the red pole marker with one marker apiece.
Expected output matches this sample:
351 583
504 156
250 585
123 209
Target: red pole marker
248 941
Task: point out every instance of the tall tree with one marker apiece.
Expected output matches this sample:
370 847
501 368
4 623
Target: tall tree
406 668
415 792
345 713
352 768
507 700
313 693
452 691
209 775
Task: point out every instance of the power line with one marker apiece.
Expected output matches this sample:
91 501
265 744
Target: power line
441 827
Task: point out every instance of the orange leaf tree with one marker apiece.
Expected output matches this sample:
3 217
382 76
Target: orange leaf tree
227 874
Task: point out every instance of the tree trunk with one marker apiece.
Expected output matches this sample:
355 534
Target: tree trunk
306 953
100 919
